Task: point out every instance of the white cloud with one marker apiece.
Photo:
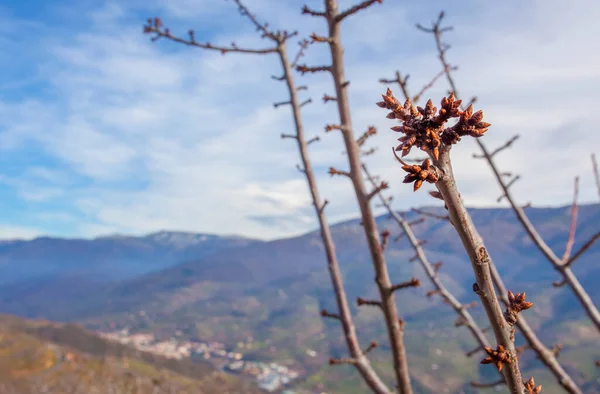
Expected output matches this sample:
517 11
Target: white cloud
171 137
8 232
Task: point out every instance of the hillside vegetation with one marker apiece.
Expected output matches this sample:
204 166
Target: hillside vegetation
43 357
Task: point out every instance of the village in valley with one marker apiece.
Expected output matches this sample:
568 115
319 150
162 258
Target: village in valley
269 376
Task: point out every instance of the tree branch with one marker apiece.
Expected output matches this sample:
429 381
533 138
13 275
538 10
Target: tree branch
430 123
354 9
532 339
361 362
303 68
573 228
154 26
432 269
596 173
382 279
506 145
414 282
431 214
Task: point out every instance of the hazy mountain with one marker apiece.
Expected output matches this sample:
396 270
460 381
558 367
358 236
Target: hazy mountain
55 269
273 291
40 356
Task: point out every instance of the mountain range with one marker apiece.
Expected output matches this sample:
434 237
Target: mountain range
230 289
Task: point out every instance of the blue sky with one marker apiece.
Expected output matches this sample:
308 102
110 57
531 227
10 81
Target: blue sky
103 131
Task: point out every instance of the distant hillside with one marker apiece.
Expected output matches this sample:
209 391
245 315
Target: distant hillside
38 356
58 269
105 258
273 291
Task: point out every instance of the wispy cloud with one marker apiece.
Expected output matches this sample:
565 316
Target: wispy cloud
125 135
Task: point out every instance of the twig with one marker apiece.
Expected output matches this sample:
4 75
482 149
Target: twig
427 127
384 284
583 248
487 385
154 26
355 9
360 361
532 339
563 268
574 209
431 271
430 214
430 84
596 173
358 358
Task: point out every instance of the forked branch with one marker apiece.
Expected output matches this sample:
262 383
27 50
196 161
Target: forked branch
395 332
432 272
544 354
562 267
424 128
357 357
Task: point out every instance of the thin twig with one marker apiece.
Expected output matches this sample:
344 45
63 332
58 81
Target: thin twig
596 173
358 358
459 308
384 284
532 339
574 209
430 214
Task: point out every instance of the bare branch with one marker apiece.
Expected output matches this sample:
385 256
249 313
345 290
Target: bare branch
371 131
332 171
308 11
573 228
338 361
559 283
556 349
260 27
322 207
284 136
314 139
368 152
547 357
430 84
505 145
280 103
358 358
431 214
331 127
487 385
314 38
439 171
307 101
414 282
471 353
596 173
584 248
385 236
401 82
327 98
417 221
508 185
361 301
355 9
155 27
431 270
372 346
378 188
301 51
303 68
324 313
382 279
